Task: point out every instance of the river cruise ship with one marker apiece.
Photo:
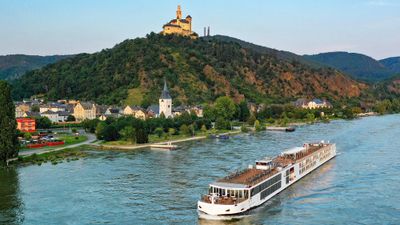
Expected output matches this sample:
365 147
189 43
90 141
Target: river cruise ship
249 188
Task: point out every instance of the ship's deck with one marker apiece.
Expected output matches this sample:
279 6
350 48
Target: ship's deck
249 177
254 176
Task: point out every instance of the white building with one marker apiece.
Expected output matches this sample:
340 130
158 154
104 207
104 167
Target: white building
55 107
165 102
313 104
56 117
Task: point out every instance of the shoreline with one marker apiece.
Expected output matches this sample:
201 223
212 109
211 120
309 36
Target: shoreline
148 145
101 147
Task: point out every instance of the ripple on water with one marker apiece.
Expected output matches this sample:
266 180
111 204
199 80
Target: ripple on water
360 186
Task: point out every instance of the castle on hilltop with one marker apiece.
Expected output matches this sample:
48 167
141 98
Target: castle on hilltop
180 26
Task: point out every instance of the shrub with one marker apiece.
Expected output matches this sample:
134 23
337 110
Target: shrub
159 131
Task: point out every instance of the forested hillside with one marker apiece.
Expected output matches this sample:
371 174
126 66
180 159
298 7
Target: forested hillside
13 66
358 66
197 71
393 64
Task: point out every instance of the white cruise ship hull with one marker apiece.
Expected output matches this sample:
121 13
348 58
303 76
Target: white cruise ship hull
301 169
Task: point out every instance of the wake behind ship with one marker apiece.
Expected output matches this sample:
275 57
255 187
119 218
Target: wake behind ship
247 189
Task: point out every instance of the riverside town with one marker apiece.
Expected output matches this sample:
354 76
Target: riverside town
160 113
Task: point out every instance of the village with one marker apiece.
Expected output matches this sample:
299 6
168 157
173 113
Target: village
63 112
38 117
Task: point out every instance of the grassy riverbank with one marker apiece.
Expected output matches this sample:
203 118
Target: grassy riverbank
155 139
69 154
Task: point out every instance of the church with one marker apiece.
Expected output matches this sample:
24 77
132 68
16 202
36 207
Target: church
180 26
165 102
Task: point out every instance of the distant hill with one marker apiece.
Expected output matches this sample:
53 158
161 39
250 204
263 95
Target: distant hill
197 71
13 66
358 66
387 89
279 54
393 64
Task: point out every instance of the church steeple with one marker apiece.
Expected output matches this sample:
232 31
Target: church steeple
179 13
165 93
165 102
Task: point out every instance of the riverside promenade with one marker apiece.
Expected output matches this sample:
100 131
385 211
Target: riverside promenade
148 145
91 139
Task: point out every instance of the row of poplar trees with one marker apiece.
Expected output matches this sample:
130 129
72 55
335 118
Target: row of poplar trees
8 127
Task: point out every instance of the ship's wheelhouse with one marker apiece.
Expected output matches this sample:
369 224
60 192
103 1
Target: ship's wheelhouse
226 194
229 191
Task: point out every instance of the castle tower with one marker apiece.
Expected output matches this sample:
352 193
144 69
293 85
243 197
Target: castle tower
165 102
179 13
189 19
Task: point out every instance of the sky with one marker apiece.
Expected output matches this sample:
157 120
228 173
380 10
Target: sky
47 27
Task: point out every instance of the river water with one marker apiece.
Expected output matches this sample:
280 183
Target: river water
360 186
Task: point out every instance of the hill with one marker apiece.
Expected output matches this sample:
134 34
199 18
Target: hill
358 66
279 54
393 64
13 66
197 71
387 89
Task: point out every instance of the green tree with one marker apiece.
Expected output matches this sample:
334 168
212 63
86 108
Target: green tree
110 133
100 128
383 107
71 118
203 128
171 131
184 129
142 136
74 130
27 136
310 117
356 110
159 131
244 112
251 119
35 108
225 108
43 122
222 124
244 128
348 113
285 119
128 133
257 126
209 113
90 125
9 145
192 129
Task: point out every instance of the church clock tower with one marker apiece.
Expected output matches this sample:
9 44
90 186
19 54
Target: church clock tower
165 102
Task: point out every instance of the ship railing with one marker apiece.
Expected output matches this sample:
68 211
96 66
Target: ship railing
235 174
221 200
257 177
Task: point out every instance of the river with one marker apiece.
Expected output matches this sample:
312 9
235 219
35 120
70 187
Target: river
360 186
